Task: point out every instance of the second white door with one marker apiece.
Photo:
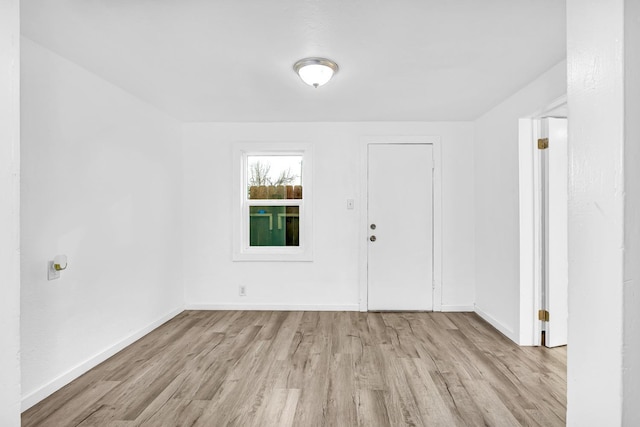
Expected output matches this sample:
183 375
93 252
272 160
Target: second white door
400 213
555 205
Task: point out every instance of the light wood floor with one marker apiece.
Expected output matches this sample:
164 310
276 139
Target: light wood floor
304 369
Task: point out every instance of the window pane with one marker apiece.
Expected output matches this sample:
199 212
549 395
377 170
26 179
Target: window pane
274 226
274 177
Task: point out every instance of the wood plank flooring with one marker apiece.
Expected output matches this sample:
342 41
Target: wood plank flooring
233 368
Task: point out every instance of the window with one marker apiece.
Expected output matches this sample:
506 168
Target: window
273 221
274 196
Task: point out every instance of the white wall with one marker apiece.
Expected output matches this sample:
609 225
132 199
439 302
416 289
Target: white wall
331 281
10 213
603 101
497 231
101 183
631 349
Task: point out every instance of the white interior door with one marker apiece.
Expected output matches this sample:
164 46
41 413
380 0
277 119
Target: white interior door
555 231
400 213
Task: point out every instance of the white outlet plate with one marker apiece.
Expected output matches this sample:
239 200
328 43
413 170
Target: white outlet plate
242 290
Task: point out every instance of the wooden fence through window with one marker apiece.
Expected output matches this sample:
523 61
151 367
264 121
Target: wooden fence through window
267 192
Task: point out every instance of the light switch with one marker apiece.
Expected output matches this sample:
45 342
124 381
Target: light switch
350 203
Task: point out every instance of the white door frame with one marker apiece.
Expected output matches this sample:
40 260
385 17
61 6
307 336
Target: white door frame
529 203
363 233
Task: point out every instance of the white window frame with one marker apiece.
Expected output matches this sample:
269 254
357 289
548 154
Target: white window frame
242 251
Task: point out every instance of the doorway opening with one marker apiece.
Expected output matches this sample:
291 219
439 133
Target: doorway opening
543 173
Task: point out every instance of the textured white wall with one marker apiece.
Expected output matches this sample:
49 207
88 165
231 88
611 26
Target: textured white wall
497 230
331 280
101 183
9 213
596 201
631 348
603 96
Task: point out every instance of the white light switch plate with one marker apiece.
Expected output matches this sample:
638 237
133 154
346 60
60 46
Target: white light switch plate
350 203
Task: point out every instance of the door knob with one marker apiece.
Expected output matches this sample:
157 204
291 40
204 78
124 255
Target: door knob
373 226
372 238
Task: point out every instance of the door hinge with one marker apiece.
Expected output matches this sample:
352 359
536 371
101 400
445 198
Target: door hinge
543 143
543 315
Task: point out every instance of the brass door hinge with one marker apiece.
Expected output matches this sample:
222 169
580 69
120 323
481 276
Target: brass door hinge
543 143
543 315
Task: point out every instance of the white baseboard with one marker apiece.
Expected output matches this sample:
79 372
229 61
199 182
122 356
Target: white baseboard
56 384
274 307
457 308
305 307
499 326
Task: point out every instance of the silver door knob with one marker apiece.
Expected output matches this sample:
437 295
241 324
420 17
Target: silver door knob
373 226
372 238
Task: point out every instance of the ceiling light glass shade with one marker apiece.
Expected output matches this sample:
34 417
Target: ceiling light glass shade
315 71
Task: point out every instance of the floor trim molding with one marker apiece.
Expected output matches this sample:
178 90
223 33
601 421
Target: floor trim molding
56 384
457 308
499 326
274 307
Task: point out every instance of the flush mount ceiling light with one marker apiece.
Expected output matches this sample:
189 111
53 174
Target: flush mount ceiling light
315 71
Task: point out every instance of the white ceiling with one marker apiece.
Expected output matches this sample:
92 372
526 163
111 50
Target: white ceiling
231 60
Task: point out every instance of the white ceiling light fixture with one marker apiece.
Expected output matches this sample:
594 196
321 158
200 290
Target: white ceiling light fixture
315 71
